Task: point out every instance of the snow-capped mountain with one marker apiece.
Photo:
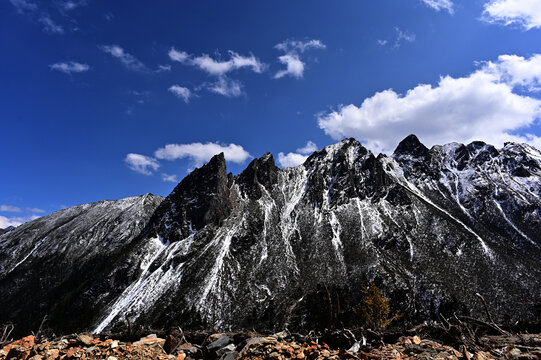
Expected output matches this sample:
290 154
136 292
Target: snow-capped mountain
262 248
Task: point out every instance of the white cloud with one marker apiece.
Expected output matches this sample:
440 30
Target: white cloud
36 210
525 13
481 106
163 68
291 159
217 67
226 87
70 67
309 148
291 58
295 67
169 178
402 36
220 68
49 26
181 92
141 163
23 5
440 5
299 46
200 153
15 221
71 5
179 56
518 71
10 208
297 158
129 61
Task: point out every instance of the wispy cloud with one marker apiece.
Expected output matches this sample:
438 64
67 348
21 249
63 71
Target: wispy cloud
163 68
297 46
482 106
35 210
200 153
226 87
181 92
10 208
128 60
70 67
24 5
49 26
524 13
169 178
401 37
218 67
178 56
292 49
71 5
142 164
440 5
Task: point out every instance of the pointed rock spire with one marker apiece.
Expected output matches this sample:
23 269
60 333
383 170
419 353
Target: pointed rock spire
411 146
201 198
260 171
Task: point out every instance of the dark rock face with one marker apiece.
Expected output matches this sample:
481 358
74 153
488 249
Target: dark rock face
201 198
260 249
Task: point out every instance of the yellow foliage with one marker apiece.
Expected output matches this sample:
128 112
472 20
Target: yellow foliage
374 308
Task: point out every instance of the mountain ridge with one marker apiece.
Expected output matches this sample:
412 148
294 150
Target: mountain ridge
431 226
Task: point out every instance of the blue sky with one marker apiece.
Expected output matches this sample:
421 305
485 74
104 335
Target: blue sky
109 99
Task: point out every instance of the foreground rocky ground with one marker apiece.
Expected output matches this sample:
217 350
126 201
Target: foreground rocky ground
253 346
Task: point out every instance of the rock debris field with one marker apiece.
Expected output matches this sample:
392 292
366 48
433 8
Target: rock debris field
245 346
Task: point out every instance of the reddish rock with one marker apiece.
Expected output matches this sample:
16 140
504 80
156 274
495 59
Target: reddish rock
17 352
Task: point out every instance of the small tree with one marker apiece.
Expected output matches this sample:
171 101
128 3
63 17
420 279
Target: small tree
374 308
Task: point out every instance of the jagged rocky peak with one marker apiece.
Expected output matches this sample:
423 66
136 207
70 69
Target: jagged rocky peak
201 198
261 171
481 152
342 171
346 151
522 160
411 146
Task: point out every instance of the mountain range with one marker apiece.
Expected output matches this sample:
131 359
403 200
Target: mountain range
292 248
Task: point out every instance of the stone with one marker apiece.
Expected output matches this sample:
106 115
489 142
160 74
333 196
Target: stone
52 353
416 339
231 356
85 339
269 340
226 350
220 343
151 339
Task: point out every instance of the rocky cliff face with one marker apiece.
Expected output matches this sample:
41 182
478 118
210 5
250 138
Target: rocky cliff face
431 226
